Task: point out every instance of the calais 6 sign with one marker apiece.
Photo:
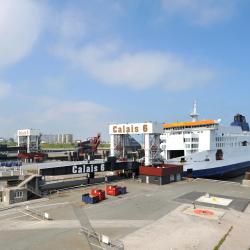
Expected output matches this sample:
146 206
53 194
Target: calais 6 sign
81 169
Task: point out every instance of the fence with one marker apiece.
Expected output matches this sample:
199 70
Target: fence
42 215
105 242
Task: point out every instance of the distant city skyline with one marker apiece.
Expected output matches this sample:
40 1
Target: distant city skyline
78 66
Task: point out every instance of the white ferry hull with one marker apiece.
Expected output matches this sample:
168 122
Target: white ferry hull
227 171
206 148
204 165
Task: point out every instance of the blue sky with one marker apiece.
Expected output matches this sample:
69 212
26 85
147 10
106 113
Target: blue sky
76 66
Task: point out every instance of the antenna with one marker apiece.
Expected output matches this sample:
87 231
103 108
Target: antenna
194 115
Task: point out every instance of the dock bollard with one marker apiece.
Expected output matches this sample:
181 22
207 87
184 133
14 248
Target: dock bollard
46 216
247 176
194 205
246 181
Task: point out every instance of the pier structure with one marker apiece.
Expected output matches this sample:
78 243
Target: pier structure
151 132
29 138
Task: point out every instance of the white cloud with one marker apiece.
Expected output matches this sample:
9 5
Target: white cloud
20 25
200 12
73 111
51 115
70 24
85 20
139 70
83 118
5 89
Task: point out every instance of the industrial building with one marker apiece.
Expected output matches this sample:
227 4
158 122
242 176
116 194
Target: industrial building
49 138
64 138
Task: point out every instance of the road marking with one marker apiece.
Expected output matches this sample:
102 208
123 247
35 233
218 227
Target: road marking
20 226
53 204
31 216
220 181
29 225
114 201
11 218
119 223
10 213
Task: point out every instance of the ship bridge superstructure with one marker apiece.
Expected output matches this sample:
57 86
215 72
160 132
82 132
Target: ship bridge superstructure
184 138
181 139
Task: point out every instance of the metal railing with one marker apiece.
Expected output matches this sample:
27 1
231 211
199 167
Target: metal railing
105 242
42 215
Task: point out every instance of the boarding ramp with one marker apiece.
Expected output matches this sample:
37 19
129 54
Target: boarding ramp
32 184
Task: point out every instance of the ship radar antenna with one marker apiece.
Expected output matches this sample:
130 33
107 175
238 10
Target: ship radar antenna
194 115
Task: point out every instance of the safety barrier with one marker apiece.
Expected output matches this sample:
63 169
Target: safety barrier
42 215
107 242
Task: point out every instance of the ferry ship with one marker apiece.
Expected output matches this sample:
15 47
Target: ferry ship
206 148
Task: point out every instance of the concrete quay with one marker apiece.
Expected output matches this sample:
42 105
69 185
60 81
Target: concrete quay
147 217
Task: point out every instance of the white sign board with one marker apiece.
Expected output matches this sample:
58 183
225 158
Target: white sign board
135 128
23 132
27 132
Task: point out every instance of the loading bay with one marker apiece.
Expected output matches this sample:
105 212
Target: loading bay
147 217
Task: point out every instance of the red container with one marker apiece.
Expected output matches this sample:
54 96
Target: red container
95 191
109 187
101 195
112 190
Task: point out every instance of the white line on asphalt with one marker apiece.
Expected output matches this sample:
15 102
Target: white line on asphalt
31 216
11 218
53 204
12 212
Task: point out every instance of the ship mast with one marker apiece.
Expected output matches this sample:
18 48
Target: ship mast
194 115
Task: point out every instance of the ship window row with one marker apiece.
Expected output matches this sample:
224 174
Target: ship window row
183 132
191 139
191 151
232 144
176 133
184 127
192 145
226 139
196 132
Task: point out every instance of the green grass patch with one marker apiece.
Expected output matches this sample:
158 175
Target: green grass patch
10 144
67 146
217 247
104 145
55 145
